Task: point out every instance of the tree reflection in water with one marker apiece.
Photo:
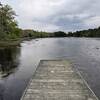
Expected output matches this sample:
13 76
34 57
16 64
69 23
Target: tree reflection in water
9 60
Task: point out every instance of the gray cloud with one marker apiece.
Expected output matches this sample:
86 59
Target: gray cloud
53 15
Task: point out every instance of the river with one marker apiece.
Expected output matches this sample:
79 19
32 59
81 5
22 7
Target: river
18 64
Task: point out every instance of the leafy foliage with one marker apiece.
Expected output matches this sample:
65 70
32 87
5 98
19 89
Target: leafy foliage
8 24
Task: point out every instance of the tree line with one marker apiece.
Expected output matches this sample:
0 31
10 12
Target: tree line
37 34
85 33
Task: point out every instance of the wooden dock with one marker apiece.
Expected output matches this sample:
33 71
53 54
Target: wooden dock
57 80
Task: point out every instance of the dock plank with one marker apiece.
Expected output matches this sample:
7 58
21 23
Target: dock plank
57 80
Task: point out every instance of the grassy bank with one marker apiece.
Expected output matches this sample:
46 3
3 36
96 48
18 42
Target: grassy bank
12 42
9 43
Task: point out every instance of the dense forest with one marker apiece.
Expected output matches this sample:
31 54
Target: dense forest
9 28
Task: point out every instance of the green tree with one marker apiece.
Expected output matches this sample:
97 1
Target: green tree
8 24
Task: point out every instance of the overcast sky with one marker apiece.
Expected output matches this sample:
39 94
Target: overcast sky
54 15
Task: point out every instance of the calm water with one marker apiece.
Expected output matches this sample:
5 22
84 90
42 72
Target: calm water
17 65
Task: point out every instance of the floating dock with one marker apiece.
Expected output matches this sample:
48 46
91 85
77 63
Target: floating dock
57 80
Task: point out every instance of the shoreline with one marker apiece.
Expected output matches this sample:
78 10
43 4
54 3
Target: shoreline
8 43
12 42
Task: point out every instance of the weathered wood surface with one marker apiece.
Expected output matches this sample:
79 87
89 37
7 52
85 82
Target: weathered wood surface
57 80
